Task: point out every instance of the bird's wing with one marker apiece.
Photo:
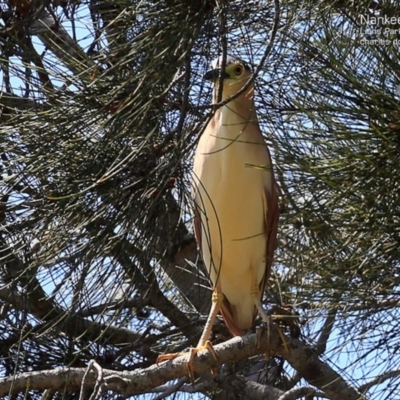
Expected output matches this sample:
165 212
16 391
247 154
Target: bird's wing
226 309
271 227
227 315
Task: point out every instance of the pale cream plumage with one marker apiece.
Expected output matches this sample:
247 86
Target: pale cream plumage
236 205
236 200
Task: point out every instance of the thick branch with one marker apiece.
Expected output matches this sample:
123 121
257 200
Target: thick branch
75 326
298 354
11 101
325 333
184 269
248 389
300 392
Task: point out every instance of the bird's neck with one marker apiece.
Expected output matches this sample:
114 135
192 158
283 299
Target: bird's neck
238 113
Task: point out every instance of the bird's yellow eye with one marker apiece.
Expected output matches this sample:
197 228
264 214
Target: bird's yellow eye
238 70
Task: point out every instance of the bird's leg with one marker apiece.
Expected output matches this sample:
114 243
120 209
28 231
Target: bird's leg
216 302
255 292
204 343
267 318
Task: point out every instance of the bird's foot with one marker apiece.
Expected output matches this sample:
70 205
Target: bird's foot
269 323
191 354
286 318
280 318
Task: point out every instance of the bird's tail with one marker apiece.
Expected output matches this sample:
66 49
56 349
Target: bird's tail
232 320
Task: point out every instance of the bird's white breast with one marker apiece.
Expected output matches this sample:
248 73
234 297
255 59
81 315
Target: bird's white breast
229 192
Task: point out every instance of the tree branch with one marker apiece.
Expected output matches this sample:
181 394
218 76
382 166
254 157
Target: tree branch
325 332
11 101
56 38
298 354
296 393
44 310
379 379
184 270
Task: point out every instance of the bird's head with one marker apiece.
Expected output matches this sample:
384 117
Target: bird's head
235 75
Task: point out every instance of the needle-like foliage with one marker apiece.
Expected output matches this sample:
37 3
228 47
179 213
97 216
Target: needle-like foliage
102 105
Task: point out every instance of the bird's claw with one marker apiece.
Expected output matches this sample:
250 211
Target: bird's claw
280 318
167 357
191 355
285 317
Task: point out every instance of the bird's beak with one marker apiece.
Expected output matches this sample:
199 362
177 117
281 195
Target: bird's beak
213 74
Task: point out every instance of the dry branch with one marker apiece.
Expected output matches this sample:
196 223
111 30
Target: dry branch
298 354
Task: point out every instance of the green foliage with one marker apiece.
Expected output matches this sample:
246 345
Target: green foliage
102 105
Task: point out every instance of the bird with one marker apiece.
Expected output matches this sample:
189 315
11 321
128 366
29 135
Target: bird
236 209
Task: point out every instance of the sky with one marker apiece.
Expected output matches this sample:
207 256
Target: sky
345 354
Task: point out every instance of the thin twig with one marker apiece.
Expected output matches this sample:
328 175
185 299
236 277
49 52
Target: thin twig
379 379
